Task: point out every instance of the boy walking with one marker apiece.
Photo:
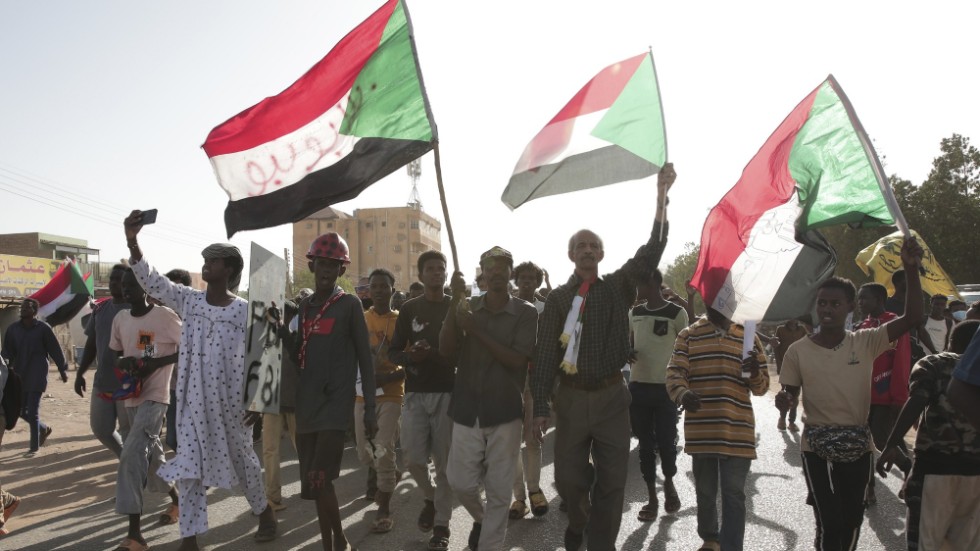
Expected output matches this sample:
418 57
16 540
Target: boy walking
333 345
214 443
144 341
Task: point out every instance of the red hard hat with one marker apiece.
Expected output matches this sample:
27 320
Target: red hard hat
330 245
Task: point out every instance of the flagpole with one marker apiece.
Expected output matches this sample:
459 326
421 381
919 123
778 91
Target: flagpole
883 183
663 207
445 208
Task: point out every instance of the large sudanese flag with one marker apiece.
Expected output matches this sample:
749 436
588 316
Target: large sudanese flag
64 296
761 257
358 115
611 131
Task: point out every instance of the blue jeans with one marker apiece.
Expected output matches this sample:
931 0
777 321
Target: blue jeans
30 412
653 416
732 471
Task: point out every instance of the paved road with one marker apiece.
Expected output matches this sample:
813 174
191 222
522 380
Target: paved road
778 518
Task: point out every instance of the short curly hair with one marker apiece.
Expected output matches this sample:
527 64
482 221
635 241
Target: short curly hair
529 267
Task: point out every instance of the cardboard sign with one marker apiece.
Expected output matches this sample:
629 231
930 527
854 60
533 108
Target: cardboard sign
264 348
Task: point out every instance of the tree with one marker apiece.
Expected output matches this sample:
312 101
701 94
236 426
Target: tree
945 209
680 271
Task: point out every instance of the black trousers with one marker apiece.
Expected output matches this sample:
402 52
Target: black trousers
837 497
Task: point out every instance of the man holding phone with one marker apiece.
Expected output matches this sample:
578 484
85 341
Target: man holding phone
429 378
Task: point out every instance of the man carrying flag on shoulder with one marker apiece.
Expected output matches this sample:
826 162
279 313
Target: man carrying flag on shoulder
583 337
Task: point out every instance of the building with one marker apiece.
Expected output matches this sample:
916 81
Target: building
44 245
391 238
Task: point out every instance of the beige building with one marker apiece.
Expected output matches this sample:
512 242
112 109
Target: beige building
391 238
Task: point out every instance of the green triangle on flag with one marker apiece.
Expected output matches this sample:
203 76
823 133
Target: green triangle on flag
637 116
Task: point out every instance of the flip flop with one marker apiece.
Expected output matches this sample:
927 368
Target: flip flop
647 513
171 515
382 525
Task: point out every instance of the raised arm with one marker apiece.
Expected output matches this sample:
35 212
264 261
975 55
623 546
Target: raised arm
648 256
156 285
912 317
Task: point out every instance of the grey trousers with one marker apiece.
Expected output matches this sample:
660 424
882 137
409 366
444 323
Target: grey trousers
103 416
597 424
142 454
486 457
427 431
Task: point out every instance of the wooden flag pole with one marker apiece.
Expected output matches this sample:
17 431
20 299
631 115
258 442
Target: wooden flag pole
657 81
445 209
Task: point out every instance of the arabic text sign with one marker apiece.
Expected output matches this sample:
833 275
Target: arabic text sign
20 276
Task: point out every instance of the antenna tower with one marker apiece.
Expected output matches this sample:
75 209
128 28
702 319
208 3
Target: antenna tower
414 172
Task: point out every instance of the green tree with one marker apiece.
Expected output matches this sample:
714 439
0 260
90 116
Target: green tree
679 272
945 209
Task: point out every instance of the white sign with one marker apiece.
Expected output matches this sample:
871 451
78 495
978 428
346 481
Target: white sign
263 354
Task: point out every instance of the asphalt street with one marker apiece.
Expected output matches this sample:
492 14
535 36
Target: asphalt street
778 517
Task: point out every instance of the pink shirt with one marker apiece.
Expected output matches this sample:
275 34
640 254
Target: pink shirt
152 335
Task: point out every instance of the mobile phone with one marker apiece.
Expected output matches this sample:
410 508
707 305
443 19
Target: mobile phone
149 216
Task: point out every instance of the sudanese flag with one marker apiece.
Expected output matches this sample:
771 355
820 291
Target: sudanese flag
761 257
358 115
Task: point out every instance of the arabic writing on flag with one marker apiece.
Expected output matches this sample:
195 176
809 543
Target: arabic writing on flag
358 115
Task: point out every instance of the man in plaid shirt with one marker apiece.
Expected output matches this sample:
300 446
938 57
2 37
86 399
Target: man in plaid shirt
583 337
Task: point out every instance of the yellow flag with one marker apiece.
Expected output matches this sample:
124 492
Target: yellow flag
884 257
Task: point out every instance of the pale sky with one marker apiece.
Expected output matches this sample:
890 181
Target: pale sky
104 106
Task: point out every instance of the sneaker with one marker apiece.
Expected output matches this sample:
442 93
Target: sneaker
44 436
474 540
440 539
781 424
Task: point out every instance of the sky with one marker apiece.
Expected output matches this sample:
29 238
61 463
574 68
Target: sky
104 106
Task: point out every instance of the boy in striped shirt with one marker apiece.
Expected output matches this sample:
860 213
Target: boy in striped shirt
705 375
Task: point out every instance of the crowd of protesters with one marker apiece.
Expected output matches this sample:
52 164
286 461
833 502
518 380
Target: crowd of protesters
460 388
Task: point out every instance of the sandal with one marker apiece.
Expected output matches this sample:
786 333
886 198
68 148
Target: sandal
428 516
266 532
382 525
171 515
539 503
131 545
648 513
518 509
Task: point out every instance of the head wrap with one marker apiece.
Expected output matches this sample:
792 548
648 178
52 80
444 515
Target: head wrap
226 251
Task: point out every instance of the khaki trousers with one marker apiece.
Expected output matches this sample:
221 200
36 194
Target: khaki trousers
389 415
272 428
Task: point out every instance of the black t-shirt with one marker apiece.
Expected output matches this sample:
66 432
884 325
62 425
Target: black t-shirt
422 319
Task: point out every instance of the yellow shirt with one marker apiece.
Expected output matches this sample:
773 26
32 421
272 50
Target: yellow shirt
380 329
